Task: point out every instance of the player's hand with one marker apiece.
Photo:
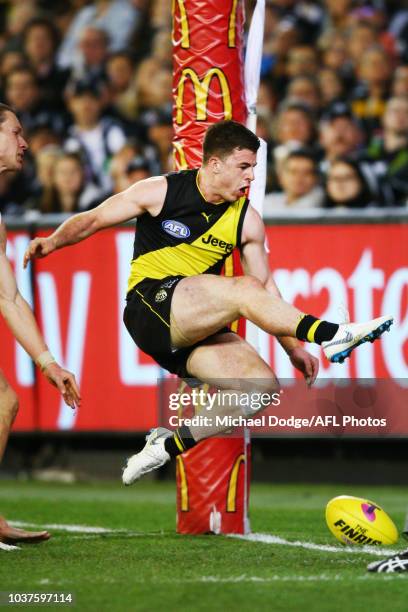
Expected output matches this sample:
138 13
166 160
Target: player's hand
305 363
39 247
65 383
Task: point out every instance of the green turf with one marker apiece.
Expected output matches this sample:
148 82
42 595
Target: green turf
147 566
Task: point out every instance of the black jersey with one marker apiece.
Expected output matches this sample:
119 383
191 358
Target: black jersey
189 236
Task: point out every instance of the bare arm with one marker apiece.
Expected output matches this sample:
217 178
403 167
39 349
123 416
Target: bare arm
20 319
15 309
144 196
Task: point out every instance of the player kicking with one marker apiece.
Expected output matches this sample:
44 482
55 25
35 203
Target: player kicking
179 307
20 320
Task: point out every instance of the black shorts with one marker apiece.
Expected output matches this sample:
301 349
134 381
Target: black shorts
147 319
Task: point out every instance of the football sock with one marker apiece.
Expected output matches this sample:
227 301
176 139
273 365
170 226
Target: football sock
180 441
310 329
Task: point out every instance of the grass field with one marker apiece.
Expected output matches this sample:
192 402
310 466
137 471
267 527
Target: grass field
141 564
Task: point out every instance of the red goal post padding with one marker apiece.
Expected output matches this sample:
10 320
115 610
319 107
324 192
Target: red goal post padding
208 86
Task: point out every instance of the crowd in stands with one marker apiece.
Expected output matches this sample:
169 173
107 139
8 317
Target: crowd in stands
91 84
333 104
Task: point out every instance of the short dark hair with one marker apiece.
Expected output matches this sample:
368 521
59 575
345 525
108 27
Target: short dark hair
22 69
125 53
223 137
4 108
303 153
42 22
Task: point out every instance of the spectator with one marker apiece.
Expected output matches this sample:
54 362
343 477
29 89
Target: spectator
361 37
68 190
19 14
300 184
8 61
374 71
316 54
267 98
92 53
338 12
263 127
137 170
294 129
334 52
154 90
41 137
116 18
388 154
120 161
295 124
346 185
280 36
40 43
154 77
45 159
400 81
305 17
305 89
339 133
331 86
162 48
94 137
302 60
23 94
120 70
160 135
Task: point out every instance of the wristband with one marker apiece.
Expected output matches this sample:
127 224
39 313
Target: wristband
44 360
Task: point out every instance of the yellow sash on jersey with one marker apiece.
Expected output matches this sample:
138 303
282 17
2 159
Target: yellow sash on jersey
189 259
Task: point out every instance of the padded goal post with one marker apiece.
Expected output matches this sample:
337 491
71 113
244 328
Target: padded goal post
208 86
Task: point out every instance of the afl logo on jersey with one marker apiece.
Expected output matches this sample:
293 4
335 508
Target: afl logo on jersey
176 229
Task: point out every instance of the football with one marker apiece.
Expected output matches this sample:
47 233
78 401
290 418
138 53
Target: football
355 520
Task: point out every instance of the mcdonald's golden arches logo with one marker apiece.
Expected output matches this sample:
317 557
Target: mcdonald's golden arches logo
201 90
233 484
232 25
181 470
185 28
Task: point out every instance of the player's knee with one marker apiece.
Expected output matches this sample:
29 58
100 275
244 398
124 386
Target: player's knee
244 287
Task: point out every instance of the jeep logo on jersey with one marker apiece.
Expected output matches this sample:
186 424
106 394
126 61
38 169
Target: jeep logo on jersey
213 241
176 229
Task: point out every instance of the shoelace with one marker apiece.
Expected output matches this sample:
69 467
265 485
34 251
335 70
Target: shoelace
343 312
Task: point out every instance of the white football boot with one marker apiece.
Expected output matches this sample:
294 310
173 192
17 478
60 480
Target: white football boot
152 456
351 335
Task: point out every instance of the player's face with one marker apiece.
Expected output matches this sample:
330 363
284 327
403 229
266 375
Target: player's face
12 143
235 174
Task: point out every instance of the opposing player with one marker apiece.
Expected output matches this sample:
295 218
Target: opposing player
178 307
20 320
395 564
392 565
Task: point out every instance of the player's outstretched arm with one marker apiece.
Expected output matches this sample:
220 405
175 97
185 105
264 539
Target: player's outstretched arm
255 263
20 319
143 196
